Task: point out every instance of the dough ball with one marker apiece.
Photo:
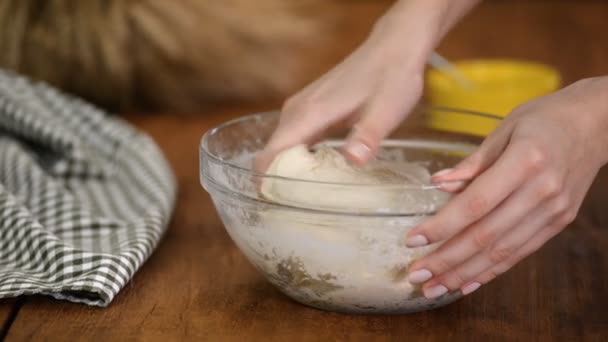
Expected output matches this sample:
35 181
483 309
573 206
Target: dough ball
324 179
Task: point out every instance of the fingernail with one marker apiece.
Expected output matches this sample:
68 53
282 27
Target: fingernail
419 276
452 186
359 150
416 241
435 291
470 288
442 173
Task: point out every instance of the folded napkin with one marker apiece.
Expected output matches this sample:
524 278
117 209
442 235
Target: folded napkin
84 197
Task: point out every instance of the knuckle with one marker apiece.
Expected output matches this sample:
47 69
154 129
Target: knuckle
562 204
476 207
500 254
562 209
550 187
482 238
453 280
503 267
535 160
439 265
490 275
567 217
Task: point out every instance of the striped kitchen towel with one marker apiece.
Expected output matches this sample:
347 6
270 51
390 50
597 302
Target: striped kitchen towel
84 197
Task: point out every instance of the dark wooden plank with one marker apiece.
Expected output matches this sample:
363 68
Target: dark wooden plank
198 286
7 311
5 308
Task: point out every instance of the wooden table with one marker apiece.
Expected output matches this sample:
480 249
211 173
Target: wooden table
197 286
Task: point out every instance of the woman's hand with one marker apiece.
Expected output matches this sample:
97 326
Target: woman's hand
370 91
528 180
374 88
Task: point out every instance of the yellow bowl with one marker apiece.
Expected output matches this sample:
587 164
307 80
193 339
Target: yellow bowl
498 87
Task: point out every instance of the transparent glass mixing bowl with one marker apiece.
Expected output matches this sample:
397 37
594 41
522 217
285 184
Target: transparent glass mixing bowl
331 258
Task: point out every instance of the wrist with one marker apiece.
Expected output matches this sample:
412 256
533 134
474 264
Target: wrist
594 102
409 31
412 29
602 107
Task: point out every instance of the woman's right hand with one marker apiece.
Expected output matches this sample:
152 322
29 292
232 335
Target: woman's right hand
373 89
369 92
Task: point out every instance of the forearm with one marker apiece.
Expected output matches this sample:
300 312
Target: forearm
420 23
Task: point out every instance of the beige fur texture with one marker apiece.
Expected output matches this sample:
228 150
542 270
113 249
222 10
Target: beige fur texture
165 54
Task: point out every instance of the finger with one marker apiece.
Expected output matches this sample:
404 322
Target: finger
320 105
502 252
453 186
480 160
476 201
304 127
526 250
564 212
482 234
382 115
264 158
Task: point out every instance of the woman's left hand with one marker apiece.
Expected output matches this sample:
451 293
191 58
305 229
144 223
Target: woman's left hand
527 182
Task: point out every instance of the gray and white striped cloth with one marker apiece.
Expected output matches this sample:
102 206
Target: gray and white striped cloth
84 197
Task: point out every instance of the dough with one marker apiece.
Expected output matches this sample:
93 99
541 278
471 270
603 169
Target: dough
324 179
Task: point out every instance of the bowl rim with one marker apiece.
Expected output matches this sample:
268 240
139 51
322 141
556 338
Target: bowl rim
545 76
205 153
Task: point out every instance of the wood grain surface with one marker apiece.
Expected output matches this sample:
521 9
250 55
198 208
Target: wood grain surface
569 35
198 286
6 312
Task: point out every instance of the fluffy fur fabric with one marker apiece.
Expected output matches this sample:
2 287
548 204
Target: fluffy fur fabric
165 54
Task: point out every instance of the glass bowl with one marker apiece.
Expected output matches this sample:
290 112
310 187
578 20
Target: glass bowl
352 261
